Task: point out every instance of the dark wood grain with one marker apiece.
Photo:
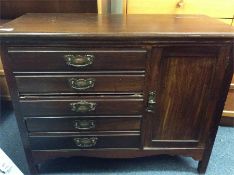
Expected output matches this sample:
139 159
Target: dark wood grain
15 101
66 124
116 26
10 9
122 106
227 121
221 86
43 59
184 84
67 142
42 155
186 63
57 84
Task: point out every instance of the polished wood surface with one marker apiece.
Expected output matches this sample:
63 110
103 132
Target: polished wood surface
67 142
57 84
41 155
184 68
93 25
124 105
10 9
39 59
181 68
100 123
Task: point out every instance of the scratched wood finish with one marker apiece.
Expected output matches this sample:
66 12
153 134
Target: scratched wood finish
116 26
187 64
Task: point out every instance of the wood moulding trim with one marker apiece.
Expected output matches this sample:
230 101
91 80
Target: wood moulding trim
41 156
227 120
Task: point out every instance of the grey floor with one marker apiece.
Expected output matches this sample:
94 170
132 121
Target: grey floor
221 162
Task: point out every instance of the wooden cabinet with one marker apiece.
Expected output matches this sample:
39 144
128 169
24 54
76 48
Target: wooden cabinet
117 86
222 10
214 8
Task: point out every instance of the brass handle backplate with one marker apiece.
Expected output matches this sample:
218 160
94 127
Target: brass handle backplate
86 142
151 101
81 83
180 4
79 60
83 106
84 124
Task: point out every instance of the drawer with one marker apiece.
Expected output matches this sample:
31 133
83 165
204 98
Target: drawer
213 8
84 142
58 84
81 106
37 59
76 124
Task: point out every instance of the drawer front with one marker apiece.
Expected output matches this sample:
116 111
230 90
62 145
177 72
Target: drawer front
65 59
82 106
213 8
79 83
84 142
75 124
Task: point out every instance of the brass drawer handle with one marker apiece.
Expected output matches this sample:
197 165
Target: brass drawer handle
180 4
79 60
86 142
81 84
84 124
83 106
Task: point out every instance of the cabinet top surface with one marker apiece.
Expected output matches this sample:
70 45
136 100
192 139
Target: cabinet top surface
94 25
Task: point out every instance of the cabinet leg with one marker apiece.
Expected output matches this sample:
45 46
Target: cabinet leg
202 166
34 169
38 166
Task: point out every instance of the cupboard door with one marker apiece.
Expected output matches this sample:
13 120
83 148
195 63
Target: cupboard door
184 79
